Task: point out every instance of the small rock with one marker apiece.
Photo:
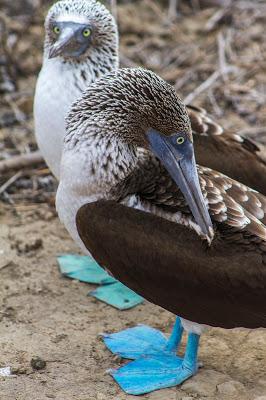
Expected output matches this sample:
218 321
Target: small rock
37 363
231 388
5 371
204 383
260 398
31 245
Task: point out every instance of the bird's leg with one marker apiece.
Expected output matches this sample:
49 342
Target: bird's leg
190 361
176 336
160 369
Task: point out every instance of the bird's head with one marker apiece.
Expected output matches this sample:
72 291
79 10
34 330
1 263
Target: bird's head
74 27
142 110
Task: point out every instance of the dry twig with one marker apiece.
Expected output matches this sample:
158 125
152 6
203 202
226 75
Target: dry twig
221 53
215 19
22 161
113 4
172 10
208 83
10 181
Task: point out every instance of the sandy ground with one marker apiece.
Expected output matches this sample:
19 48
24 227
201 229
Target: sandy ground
43 314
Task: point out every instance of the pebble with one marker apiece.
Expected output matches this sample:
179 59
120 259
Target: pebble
37 363
260 398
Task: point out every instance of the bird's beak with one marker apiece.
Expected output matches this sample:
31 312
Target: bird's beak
179 160
64 42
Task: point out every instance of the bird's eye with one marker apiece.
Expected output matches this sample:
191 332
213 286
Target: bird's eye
56 30
86 32
180 140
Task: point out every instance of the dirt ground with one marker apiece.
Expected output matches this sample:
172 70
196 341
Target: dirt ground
43 314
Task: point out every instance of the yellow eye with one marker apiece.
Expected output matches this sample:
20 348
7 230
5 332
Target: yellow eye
180 140
86 32
56 30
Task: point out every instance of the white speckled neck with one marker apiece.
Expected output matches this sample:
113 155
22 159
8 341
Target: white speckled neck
61 81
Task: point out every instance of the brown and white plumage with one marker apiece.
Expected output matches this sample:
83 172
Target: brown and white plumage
232 205
106 156
230 153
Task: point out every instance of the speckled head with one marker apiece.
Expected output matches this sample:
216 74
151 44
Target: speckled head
141 109
77 28
130 101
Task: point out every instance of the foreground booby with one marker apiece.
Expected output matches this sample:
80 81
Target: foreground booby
106 156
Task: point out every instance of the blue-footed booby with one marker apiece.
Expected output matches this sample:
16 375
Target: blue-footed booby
81 44
129 140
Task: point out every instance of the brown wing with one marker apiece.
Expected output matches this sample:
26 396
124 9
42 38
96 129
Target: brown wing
202 124
235 156
169 265
240 212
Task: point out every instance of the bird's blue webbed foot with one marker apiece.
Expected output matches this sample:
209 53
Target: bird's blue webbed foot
143 340
86 269
158 371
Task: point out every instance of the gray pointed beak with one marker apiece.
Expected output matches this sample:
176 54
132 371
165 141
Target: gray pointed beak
179 160
63 42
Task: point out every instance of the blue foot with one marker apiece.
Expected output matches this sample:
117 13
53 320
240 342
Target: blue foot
117 295
84 269
142 340
150 373
134 342
112 292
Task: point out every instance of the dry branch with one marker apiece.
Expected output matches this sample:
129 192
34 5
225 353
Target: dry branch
208 83
22 161
10 181
172 10
113 5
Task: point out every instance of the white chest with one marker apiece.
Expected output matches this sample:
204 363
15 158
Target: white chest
57 88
